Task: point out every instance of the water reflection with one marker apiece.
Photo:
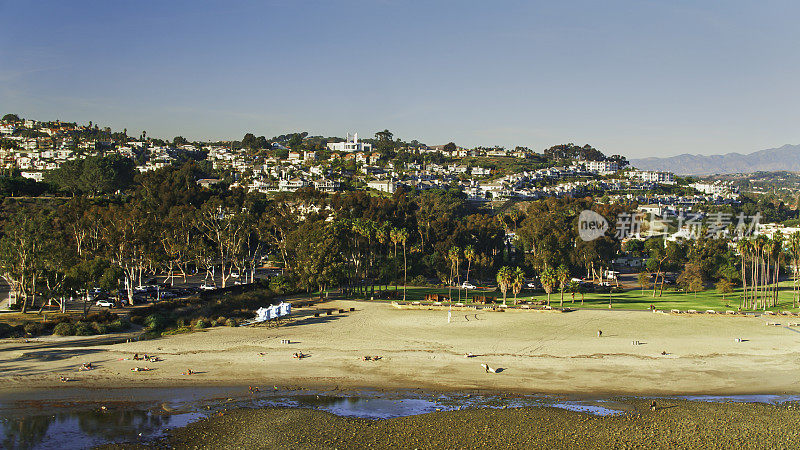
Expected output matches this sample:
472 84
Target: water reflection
80 429
25 432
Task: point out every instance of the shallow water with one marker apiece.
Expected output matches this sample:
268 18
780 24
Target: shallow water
80 418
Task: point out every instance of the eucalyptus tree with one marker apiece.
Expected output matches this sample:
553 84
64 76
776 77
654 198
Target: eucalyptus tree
224 227
176 235
22 252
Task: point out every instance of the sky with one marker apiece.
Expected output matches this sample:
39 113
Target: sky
638 78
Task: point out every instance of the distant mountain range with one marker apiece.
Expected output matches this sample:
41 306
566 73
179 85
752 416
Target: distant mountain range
786 158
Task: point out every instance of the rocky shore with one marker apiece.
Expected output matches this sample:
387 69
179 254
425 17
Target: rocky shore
674 424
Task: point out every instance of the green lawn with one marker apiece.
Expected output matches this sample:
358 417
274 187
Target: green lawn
630 299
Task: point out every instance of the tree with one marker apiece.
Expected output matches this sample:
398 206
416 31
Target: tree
469 254
548 279
454 255
574 287
517 281
504 278
691 279
22 251
644 280
562 275
724 286
224 227
11 118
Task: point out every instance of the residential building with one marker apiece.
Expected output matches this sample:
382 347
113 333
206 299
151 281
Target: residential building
351 144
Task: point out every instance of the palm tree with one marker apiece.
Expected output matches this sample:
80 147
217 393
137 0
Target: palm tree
743 247
562 275
548 279
504 277
470 254
454 255
517 281
403 236
794 254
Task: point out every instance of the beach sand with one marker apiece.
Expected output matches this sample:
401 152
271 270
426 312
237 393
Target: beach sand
537 351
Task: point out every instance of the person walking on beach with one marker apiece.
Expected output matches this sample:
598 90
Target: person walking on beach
599 333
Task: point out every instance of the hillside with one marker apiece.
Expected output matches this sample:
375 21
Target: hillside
786 158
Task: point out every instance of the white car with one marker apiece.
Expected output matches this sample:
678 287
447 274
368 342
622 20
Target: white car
105 303
207 287
467 285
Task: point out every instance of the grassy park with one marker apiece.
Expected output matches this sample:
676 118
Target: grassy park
624 299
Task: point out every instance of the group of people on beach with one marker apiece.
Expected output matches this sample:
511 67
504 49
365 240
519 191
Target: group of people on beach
136 357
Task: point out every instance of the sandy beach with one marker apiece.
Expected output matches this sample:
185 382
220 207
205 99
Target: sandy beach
537 351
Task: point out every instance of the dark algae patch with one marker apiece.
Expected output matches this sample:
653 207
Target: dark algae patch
674 424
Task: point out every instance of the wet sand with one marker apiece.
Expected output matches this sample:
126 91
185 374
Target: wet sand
675 424
537 352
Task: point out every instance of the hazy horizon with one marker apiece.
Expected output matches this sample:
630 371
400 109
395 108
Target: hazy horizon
637 78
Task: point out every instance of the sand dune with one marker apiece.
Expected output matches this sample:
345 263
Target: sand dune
537 352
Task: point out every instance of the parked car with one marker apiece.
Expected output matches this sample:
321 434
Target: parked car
105 303
531 285
208 287
467 285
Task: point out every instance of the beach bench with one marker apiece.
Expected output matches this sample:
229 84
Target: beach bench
691 311
730 312
710 311
675 311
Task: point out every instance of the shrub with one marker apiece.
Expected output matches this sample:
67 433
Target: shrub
34 328
155 321
64 329
230 322
201 323
84 329
138 320
221 320
5 330
100 328
119 325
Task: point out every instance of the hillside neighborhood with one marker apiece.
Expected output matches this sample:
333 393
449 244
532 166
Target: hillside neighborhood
292 162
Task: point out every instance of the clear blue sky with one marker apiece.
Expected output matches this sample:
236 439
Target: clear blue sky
640 78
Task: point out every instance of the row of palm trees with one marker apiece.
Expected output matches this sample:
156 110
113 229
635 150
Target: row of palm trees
454 256
761 259
549 277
